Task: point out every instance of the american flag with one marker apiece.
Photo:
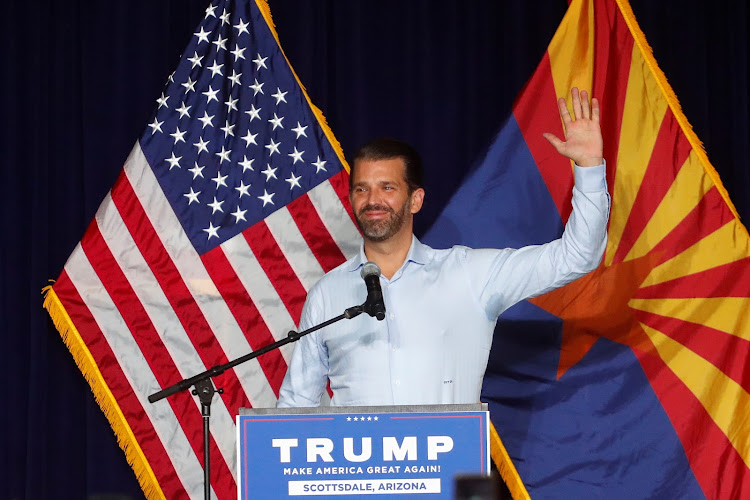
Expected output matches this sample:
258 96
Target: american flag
231 205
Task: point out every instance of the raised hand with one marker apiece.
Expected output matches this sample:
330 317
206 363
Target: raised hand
583 135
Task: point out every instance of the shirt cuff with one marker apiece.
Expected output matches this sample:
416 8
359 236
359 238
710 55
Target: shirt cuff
591 179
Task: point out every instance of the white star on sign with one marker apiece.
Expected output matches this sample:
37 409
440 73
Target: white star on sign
267 198
210 11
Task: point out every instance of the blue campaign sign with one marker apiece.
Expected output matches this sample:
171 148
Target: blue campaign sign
360 453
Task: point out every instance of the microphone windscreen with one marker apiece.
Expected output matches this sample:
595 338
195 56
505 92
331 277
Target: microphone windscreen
370 269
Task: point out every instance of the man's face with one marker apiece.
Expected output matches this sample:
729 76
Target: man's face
380 198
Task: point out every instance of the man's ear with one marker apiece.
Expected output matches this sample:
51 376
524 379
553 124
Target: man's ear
417 199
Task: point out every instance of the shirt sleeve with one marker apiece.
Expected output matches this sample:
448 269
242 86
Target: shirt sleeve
505 277
307 374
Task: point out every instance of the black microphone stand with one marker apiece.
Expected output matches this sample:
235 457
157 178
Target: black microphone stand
204 387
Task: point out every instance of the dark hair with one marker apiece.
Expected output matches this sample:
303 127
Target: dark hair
385 148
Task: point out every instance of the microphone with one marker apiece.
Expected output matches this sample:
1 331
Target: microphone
374 305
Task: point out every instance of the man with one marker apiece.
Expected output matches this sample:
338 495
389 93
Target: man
441 305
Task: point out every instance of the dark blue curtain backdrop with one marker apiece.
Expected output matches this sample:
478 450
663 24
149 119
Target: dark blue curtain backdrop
80 80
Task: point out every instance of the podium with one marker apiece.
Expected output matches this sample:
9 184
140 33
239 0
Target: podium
360 451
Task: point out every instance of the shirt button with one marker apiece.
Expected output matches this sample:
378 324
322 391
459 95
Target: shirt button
391 315
397 382
393 349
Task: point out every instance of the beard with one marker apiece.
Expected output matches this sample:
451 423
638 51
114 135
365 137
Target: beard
381 230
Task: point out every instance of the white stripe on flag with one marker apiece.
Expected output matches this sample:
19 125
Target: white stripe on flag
294 247
166 323
338 223
136 370
188 263
260 289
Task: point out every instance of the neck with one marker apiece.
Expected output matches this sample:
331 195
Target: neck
389 255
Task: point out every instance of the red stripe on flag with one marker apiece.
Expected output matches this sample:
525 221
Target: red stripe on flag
118 385
554 168
667 158
315 234
718 468
277 268
612 41
154 352
340 184
246 314
172 284
728 280
709 214
729 353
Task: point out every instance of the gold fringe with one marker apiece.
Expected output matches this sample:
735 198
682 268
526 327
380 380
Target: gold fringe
106 400
266 11
505 466
674 104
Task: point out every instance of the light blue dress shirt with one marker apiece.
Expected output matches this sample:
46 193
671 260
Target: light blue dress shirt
441 310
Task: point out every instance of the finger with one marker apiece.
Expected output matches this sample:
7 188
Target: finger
564 113
576 102
595 109
554 140
585 109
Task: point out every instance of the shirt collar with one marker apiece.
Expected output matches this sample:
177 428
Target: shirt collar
417 254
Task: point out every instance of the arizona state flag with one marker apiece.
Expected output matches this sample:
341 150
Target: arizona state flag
633 381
